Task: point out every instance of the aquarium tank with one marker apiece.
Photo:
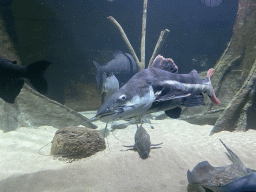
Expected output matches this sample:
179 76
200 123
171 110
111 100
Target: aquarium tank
127 95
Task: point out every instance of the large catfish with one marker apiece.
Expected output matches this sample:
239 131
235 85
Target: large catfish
157 88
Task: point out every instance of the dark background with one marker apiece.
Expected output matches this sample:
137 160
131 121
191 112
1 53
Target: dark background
71 34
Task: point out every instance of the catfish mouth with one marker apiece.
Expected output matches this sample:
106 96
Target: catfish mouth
108 112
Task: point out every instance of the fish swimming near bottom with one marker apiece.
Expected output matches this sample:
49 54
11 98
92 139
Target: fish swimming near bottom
142 143
157 89
12 78
232 178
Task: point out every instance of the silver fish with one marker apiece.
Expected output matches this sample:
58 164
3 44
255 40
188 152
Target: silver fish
109 87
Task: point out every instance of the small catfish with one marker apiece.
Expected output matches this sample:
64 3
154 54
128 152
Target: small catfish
12 78
123 66
142 143
232 178
157 88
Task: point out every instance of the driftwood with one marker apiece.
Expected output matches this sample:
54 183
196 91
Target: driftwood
235 115
141 64
31 109
234 78
235 72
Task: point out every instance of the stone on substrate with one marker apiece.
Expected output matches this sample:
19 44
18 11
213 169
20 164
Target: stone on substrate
77 142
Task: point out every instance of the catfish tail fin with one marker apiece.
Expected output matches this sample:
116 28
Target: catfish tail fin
213 97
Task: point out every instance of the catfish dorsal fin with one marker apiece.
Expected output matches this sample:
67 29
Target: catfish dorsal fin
116 53
193 71
166 64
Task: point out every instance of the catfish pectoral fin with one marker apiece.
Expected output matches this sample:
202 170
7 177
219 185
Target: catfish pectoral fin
157 144
134 149
155 147
128 146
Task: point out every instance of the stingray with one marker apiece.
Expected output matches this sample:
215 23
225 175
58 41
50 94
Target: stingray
232 178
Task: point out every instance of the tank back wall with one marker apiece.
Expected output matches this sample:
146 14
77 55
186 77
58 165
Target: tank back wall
73 34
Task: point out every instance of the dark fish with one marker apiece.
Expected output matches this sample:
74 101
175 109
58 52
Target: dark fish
142 143
153 89
123 66
233 178
173 113
12 78
109 87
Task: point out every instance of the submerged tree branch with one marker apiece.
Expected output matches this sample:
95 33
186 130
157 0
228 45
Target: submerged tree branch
141 64
239 104
127 42
159 45
143 35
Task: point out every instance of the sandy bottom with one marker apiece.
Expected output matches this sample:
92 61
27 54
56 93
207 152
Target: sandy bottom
22 168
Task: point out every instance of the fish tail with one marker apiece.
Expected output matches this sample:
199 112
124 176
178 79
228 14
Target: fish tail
35 73
206 87
99 74
212 95
210 72
214 99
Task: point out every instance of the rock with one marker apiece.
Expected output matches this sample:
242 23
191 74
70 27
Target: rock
31 109
77 142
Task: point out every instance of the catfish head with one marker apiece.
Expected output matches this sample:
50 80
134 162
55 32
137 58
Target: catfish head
133 99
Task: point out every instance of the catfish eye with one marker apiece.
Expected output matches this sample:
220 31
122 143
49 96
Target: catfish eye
122 97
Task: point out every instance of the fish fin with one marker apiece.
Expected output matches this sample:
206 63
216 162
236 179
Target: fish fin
191 178
116 53
157 144
99 74
35 72
214 99
169 90
103 97
109 86
170 97
200 172
104 78
174 113
193 100
210 72
11 89
166 64
132 147
232 156
212 96
155 147
193 71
